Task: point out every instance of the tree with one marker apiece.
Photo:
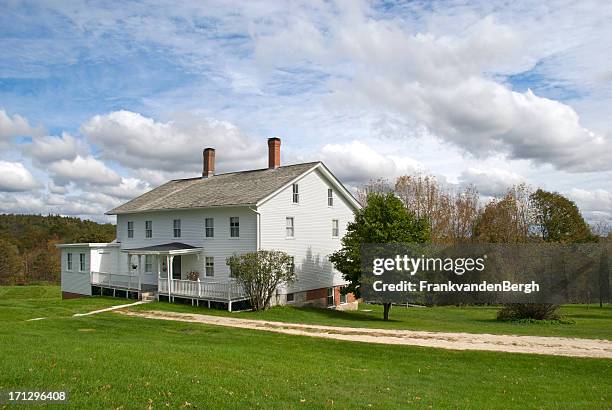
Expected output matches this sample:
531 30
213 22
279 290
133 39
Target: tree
506 220
260 273
10 263
383 220
558 219
451 213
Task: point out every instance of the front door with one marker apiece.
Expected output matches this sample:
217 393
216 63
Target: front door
176 267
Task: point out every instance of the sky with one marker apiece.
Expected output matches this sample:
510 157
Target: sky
100 103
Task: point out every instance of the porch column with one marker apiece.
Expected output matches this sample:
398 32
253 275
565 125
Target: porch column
140 271
169 272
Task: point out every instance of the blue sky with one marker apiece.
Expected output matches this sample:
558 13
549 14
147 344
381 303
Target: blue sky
99 103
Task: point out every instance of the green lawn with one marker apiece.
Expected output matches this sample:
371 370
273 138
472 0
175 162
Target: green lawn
113 361
584 321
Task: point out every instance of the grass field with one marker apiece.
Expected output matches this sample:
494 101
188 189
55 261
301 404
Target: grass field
590 322
113 361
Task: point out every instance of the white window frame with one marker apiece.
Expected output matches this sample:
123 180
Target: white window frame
234 225
292 264
332 296
295 190
148 229
82 262
343 296
148 264
211 227
130 229
176 228
209 266
289 227
335 228
69 262
330 197
290 297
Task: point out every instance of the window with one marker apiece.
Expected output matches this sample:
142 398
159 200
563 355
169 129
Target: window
148 263
148 229
290 297
330 296
330 197
210 266
290 228
234 227
292 265
335 228
342 297
82 262
296 194
69 262
130 229
209 227
177 228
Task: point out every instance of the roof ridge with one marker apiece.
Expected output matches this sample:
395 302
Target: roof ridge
246 171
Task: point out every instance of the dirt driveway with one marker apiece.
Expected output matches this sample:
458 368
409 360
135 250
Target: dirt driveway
559 346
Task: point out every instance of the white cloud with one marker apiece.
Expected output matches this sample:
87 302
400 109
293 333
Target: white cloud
16 177
139 142
50 148
356 163
442 81
15 126
595 204
492 182
81 170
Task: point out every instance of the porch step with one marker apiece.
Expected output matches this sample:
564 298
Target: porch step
148 296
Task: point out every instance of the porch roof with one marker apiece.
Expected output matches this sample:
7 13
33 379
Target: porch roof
173 248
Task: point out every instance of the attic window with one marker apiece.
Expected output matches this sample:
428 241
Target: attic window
296 194
330 197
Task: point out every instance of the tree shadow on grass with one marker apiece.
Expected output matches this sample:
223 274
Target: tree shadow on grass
345 316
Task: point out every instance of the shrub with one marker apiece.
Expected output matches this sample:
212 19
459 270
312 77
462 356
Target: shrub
193 275
535 311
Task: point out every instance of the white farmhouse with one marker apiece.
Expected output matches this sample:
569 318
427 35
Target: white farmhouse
173 241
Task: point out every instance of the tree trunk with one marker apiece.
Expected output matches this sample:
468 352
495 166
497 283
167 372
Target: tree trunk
387 308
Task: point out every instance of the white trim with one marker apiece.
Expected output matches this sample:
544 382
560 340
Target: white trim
88 245
328 175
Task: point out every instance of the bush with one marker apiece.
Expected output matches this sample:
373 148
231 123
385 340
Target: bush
534 311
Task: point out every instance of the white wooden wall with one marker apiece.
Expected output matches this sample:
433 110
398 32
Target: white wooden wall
313 241
192 233
75 281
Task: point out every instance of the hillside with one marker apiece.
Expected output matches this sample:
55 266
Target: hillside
27 245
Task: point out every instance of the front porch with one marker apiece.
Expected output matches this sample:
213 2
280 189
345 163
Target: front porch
163 269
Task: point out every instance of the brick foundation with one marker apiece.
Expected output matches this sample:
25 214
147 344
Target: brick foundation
70 295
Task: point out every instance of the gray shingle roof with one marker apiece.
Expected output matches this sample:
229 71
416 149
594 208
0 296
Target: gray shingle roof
235 188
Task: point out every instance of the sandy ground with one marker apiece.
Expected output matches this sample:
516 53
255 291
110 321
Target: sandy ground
558 346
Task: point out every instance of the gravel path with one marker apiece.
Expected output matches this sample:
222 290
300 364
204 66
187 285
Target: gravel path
558 346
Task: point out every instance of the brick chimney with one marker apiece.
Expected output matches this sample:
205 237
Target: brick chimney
274 153
208 166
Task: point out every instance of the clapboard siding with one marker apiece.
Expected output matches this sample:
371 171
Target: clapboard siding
75 281
192 233
313 241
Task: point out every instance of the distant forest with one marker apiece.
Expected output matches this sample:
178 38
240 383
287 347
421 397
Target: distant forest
27 245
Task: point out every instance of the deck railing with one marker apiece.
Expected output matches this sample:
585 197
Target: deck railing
202 289
116 280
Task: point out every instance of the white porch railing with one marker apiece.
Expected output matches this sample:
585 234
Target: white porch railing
202 289
116 280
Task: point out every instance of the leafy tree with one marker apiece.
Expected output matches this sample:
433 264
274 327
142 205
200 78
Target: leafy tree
506 220
558 219
35 237
260 273
383 220
10 263
450 213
